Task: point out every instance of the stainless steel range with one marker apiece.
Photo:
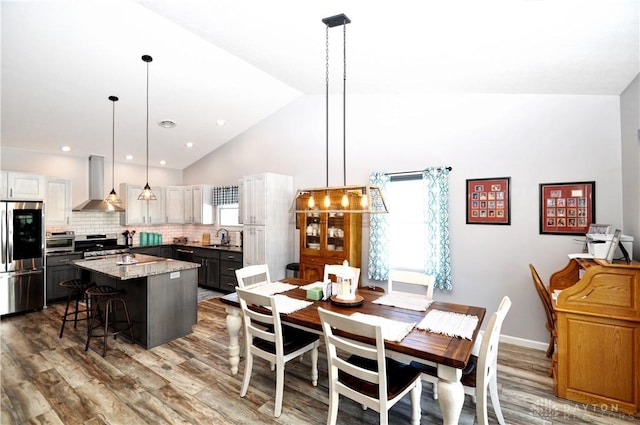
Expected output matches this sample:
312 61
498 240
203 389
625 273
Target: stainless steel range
99 245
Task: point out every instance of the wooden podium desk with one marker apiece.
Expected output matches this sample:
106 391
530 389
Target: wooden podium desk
598 327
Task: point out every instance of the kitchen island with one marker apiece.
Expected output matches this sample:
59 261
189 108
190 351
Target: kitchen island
161 293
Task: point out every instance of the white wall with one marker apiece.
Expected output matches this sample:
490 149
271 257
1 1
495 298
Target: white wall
630 125
77 169
531 138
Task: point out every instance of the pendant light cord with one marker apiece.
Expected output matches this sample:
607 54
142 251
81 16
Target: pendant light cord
327 107
148 121
113 143
344 104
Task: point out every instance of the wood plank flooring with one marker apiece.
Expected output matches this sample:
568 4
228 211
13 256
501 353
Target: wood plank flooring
54 381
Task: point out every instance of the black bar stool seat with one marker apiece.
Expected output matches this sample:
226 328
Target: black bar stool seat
76 288
106 303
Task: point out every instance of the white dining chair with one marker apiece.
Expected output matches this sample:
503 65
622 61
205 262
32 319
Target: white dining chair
362 372
252 275
481 370
337 269
265 337
407 277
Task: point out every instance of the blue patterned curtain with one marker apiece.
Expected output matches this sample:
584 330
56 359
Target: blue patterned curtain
378 235
436 220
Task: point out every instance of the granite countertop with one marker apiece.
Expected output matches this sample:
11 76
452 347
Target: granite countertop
145 265
233 248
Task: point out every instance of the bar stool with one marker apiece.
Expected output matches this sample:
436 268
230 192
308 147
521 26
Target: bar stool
76 288
108 299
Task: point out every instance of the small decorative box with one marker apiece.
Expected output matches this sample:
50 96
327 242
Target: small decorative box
314 293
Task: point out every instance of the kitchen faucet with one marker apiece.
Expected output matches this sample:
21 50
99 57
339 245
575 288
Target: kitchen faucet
225 236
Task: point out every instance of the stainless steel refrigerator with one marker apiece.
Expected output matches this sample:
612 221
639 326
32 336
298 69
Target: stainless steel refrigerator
21 256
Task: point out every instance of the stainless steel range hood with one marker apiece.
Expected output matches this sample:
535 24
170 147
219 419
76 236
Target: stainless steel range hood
96 201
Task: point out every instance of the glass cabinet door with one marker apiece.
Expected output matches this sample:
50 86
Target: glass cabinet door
335 233
313 232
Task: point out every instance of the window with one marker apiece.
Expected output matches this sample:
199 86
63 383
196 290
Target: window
406 223
228 215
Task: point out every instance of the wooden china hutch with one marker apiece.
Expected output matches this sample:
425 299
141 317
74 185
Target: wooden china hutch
328 237
598 325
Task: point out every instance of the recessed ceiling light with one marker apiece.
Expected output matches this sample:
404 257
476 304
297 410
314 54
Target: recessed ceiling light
163 162
66 149
221 122
167 124
189 144
129 157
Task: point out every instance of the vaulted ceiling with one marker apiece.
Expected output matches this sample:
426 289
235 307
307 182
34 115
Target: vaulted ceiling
241 61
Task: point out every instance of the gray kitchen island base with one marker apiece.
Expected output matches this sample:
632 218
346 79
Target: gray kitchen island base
162 306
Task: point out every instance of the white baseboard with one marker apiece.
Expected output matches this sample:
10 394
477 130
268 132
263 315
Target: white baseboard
536 345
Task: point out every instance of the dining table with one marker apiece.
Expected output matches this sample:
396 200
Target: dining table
448 353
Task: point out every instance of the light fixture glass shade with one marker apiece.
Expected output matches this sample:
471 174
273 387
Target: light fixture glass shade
147 194
113 198
351 195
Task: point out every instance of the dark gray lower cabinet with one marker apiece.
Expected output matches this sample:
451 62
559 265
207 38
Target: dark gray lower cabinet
208 273
163 251
59 269
162 307
229 263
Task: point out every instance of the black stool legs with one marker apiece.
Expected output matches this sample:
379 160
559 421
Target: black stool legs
110 301
77 292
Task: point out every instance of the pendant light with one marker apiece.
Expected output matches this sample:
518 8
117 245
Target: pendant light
370 197
147 193
113 198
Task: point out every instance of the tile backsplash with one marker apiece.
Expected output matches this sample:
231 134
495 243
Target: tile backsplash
84 223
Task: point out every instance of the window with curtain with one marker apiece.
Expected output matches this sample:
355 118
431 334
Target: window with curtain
225 198
415 233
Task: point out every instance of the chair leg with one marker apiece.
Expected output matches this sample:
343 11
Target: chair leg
279 388
416 395
247 373
314 366
64 317
91 322
495 401
551 347
481 406
435 390
106 328
334 399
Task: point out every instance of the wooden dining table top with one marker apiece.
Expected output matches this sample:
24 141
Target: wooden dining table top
418 344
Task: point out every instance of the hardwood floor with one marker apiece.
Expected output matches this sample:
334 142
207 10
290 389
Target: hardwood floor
50 380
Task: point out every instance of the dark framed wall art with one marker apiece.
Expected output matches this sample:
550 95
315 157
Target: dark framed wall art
567 208
489 201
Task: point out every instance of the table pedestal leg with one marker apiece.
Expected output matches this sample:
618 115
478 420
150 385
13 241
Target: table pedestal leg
450 394
234 322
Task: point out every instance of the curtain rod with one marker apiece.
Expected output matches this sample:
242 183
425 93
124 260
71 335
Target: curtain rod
399 173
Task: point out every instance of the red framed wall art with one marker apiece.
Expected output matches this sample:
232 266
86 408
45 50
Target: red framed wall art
567 208
489 201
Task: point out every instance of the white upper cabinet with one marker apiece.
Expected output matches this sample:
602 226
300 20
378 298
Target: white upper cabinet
174 204
141 212
58 203
198 204
23 186
254 199
203 204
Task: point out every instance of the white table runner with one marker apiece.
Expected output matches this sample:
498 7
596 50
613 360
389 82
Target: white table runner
392 330
287 305
449 323
417 302
270 288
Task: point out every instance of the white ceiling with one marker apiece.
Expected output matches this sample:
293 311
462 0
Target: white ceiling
241 61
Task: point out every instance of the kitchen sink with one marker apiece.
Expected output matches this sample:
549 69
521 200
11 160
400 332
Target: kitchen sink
219 246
